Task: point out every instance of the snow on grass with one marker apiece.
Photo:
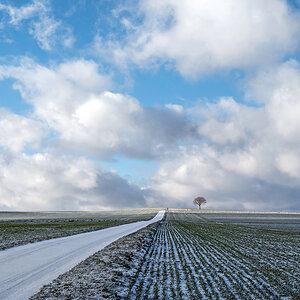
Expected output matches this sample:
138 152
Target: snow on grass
48 215
193 256
105 275
205 260
15 232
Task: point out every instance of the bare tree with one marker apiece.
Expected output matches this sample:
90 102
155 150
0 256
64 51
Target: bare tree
199 201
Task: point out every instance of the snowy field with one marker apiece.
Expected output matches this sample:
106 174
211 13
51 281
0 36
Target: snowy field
15 215
194 255
19 228
108 274
25 269
283 221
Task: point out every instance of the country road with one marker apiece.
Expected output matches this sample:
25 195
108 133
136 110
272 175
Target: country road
25 269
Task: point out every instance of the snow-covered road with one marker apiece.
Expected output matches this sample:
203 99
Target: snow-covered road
25 269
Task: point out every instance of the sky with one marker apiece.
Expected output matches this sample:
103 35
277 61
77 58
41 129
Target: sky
147 103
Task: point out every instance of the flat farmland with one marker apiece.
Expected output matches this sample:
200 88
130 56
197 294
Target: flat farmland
206 256
19 228
282 221
190 254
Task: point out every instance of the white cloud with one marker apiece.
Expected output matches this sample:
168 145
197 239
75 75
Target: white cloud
49 182
73 100
175 107
280 87
76 115
17 131
42 25
44 32
249 156
18 14
242 157
200 37
289 163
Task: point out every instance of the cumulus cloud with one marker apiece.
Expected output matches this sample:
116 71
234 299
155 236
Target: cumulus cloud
42 25
72 99
49 182
280 87
200 37
74 116
249 155
17 131
240 156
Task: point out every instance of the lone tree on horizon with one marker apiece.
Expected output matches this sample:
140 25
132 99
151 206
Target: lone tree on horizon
199 201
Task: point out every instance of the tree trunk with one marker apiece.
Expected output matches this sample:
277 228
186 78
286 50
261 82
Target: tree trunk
199 206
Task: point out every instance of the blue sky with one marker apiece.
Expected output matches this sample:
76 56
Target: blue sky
150 102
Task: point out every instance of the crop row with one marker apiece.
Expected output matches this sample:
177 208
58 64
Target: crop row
202 260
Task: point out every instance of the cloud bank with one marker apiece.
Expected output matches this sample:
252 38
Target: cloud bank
74 116
44 181
73 100
238 155
249 155
202 37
